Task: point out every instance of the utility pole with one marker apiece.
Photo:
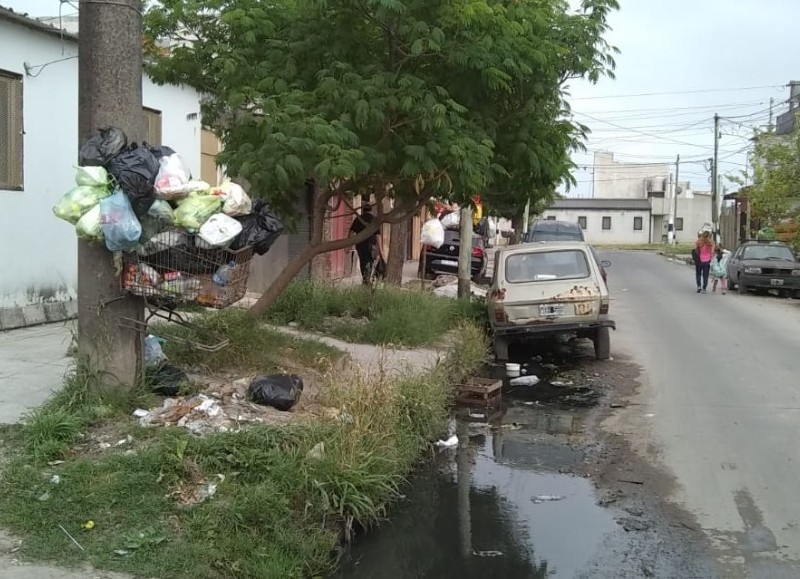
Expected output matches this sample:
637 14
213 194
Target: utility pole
109 93
675 200
465 253
771 104
715 179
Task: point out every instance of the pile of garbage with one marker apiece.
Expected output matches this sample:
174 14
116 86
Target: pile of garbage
181 238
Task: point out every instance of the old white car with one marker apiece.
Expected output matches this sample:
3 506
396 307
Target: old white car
543 290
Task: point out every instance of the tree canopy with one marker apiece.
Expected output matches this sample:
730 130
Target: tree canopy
776 176
417 97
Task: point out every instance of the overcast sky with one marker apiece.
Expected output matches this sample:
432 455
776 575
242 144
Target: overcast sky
719 47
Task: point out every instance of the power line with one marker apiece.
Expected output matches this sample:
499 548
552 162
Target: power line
695 91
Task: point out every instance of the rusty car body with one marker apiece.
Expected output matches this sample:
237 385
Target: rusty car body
545 290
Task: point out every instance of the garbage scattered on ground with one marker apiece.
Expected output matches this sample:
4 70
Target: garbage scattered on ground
317 452
561 383
55 479
537 500
487 553
153 354
280 391
88 525
45 496
166 379
529 380
451 290
449 443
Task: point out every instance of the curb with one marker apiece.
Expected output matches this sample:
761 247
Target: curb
37 314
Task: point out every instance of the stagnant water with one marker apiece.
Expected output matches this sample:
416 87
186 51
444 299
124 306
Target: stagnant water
496 506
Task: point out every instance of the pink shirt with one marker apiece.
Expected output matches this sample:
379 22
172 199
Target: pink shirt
706 253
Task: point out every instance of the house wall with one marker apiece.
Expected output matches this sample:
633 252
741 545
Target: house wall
621 231
614 180
39 253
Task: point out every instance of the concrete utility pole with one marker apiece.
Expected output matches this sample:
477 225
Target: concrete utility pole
109 93
465 252
675 200
715 179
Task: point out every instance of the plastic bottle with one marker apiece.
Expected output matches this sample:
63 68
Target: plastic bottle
223 274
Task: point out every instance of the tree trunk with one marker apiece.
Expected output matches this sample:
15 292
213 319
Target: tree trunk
465 254
398 239
109 93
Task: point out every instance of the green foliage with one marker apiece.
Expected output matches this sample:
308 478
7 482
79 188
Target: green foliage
435 97
252 346
384 316
776 182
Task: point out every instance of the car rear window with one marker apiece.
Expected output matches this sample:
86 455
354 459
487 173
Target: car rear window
546 266
559 235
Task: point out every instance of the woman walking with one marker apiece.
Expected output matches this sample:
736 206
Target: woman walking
719 270
704 252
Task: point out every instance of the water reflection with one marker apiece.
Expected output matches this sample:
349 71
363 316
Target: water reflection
472 513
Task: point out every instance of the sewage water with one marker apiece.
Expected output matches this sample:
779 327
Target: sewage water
498 506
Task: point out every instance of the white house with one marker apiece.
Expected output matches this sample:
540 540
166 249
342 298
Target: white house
38 150
633 202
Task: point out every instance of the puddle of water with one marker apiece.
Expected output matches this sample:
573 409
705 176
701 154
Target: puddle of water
474 512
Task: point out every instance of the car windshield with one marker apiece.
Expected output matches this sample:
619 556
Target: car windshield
546 266
767 252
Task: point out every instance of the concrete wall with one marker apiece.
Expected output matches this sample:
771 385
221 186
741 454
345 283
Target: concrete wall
624 180
38 255
621 231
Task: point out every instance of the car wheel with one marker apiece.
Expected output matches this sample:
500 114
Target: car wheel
602 344
731 284
742 288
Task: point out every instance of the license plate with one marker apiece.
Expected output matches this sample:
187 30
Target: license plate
449 263
549 310
776 282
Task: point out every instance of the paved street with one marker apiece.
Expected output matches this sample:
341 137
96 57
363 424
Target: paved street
719 407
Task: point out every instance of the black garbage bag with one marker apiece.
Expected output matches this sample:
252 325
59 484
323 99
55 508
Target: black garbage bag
102 147
260 229
166 379
162 151
280 391
135 170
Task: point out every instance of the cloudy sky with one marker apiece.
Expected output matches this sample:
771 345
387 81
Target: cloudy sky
681 61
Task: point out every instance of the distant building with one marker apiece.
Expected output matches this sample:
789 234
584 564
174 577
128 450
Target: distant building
632 203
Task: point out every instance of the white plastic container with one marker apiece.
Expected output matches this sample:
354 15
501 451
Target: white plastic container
512 370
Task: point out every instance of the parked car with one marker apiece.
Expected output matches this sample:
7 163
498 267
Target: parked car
545 230
551 230
543 290
444 260
764 265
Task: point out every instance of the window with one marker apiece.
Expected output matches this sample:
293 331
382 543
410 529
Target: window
551 217
679 223
546 266
152 120
582 222
637 223
10 131
606 223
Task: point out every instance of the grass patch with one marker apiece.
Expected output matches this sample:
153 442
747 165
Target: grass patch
389 315
277 513
252 346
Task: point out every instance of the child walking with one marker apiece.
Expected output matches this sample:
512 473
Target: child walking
719 270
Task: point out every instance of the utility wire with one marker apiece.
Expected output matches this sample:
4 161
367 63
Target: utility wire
661 93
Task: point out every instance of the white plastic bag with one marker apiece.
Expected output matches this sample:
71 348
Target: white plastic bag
173 172
237 202
121 228
451 220
153 354
91 176
182 191
433 233
220 230
89 226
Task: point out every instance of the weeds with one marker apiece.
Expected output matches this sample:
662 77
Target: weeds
278 510
385 316
252 346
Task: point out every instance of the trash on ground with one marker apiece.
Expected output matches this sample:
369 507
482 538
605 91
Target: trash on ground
451 290
281 391
317 452
529 380
511 426
512 370
432 233
60 526
166 379
449 443
45 496
153 354
561 384
537 500
88 525
55 479
140 412
487 553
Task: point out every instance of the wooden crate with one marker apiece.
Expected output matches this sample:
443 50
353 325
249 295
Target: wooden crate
480 392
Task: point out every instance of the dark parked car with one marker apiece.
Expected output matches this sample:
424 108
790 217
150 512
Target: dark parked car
445 259
544 230
764 265
552 230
